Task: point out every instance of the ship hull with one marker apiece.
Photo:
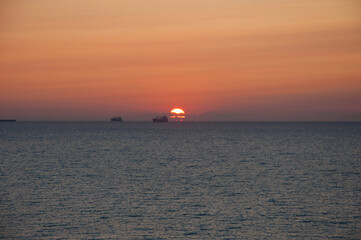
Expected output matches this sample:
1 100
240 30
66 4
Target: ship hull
160 119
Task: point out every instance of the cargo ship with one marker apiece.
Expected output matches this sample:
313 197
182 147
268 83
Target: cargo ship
116 119
160 119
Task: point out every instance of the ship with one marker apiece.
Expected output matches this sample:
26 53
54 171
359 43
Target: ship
116 119
160 119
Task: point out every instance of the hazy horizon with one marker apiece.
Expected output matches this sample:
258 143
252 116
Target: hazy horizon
218 60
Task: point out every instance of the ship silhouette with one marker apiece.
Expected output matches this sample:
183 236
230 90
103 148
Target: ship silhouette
116 119
160 119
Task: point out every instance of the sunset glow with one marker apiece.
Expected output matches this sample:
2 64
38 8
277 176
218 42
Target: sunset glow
178 114
177 111
220 60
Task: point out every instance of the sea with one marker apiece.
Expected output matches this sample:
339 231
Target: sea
180 180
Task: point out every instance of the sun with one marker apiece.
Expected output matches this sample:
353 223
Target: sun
177 111
177 114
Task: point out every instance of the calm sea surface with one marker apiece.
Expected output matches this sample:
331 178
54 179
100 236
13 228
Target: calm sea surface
231 180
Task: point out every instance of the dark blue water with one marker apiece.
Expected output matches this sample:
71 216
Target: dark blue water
180 180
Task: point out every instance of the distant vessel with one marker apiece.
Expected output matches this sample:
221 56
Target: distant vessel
7 120
116 119
160 119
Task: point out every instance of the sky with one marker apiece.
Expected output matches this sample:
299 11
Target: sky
229 60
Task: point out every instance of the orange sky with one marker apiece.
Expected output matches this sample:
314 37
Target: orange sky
218 60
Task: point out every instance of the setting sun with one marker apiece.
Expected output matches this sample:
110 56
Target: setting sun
177 111
177 114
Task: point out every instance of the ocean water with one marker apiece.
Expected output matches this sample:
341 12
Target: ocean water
205 180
